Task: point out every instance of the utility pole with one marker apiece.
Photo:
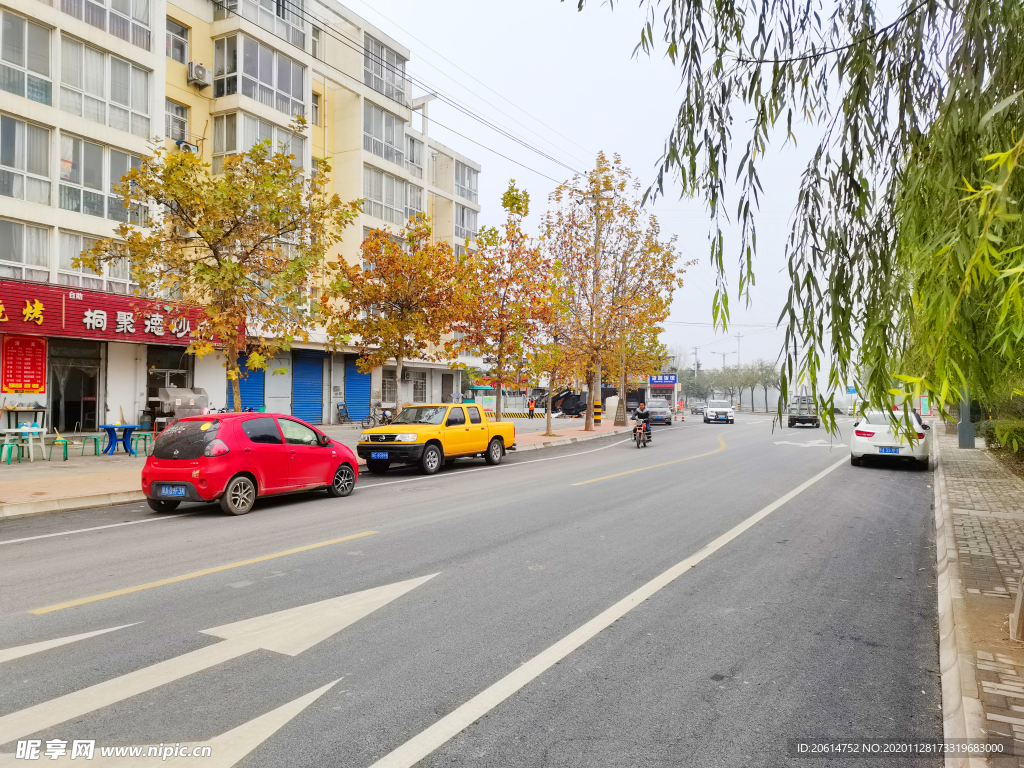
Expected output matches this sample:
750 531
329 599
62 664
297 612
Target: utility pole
723 354
738 337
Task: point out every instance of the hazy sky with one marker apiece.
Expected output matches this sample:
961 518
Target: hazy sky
568 84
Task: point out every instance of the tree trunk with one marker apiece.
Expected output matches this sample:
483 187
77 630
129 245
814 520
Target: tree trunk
399 365
236 390
500 375
547 407
766 399
589 424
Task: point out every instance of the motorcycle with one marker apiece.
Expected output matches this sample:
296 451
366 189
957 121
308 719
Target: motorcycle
642 434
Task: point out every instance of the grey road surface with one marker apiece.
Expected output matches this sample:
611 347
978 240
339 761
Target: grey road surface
817 621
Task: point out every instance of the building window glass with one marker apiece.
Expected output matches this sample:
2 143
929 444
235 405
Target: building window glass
127 19
177 42
465 222
384 70
267 76
388 387
316 109
414 204
175 121
25 55
385 196
414 156
383 134
89 174
83 90
283 18
114 276
318 44
239 132
24 161
419 386
466 181
23 247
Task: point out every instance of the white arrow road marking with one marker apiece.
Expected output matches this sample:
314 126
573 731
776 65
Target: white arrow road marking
811 444
8 654
421 745
225 750
289 632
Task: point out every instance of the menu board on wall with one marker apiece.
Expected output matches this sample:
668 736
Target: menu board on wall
23 365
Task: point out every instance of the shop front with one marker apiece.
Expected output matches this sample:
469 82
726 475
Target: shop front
72 359
664 385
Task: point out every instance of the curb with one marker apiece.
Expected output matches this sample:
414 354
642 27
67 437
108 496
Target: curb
962 713
31 508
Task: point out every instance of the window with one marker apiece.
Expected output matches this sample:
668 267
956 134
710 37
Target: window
175 121
25 54
127 19
297 434
465 222
414 156
456 418
318 45
383 134
316 109
383 70
283 18
466 181
84 75
267 76
385 196
262 430
415 202
388 388
82 186
419 386
239 132
24 161
177 42
21 248
474 414
71 247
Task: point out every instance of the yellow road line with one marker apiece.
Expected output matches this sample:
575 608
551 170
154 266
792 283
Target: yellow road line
195 574
655 466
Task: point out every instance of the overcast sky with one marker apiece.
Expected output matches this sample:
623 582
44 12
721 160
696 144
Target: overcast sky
566 82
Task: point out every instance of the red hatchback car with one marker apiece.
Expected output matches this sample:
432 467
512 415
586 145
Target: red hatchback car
236 457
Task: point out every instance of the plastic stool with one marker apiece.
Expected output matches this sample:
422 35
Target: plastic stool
63 444
95 443
10 451
143 438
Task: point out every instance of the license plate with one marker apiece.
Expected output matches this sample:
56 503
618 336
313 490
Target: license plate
888 450
172 490
378 454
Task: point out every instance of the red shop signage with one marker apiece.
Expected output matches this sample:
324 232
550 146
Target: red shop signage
23 365
52 310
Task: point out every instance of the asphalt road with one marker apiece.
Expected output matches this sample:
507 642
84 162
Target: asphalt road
817 620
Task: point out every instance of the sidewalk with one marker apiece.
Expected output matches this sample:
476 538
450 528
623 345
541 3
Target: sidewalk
980 534
40 487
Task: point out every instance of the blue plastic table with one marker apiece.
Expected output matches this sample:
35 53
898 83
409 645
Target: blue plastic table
112 439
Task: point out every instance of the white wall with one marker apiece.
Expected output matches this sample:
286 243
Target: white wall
338 386
211 375
122 382
278 388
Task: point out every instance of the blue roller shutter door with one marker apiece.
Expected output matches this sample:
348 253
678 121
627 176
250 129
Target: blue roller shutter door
251 387
357 390
308 385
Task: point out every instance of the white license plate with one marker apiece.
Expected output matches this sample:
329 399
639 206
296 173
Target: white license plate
172 490
888 450
378 454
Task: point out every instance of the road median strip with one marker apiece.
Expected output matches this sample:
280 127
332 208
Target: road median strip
195 574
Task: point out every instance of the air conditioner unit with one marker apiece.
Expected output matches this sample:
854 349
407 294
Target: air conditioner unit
184 146
407 375
198 75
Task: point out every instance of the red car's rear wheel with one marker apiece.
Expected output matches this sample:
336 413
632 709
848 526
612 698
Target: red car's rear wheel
240 496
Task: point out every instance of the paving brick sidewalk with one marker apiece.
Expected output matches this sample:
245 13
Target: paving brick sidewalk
986 507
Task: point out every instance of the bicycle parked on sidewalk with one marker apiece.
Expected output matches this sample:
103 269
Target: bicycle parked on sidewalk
378 417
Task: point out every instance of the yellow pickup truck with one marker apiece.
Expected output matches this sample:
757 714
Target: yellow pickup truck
431 435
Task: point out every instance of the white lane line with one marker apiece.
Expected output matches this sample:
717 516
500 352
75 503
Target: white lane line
9 654
98 528
421 745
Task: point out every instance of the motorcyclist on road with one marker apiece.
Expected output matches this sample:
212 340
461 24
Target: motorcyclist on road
642 417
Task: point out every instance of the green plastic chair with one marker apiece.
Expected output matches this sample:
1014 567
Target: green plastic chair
10 445
144 438
95 443
63 443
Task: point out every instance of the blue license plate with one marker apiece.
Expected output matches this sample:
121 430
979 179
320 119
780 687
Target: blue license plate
888 450
378 454
172 490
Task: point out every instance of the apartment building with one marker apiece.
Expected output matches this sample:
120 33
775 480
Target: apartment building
86 86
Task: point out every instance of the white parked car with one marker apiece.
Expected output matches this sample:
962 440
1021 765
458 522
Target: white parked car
874 435
719 410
